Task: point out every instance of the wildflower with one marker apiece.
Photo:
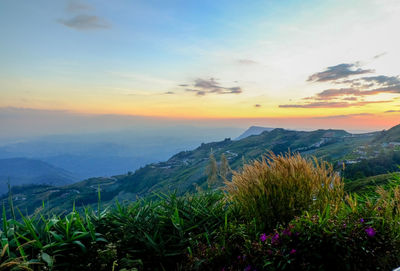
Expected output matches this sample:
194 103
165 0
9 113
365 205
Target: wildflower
344 225
269 252
263 237
248 268
275 238
293 251
370 231
362 220
286 232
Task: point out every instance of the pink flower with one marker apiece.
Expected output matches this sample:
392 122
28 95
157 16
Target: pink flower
293 251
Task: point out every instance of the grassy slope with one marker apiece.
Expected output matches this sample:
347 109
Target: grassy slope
186 170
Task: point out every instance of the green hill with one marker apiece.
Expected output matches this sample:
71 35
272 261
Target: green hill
185 171
391 135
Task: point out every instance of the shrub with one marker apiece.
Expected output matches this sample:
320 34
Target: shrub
278 188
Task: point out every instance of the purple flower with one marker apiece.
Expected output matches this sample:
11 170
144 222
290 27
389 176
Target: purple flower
344 225
269 252
362 220
275 238
293 251
286 232
370 231
263 237
248 268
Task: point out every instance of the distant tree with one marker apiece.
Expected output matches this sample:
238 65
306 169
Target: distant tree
212 171
224 168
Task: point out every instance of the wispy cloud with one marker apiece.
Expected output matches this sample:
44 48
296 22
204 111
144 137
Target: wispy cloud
380 55
85 22
244 61
340 71
77 6
80 20
203 87
257 105
331 104
344 116
392 111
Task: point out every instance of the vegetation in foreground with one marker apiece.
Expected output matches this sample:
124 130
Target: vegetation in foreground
283 213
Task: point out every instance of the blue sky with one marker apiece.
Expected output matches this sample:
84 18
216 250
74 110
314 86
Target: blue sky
198 59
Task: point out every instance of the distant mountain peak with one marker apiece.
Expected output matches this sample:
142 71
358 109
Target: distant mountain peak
254 130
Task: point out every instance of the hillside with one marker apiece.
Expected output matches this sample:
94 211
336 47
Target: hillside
21 171
253 130
391 135
185 171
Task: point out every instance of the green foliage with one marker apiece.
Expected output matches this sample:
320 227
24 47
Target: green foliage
278 188
281 213
382 164
158 234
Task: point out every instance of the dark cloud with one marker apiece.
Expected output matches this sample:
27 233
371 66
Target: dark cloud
246 62
353 90
257 105
392 111
206 84
329 94
388 81
85 22
360 87
169 92
77 6
203 86
340 104
372 82
198 92
340 71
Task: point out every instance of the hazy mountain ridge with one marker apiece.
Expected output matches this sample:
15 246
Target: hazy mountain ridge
22 171
254 130
186 170
111 153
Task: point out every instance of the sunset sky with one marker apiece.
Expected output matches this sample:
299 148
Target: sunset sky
305 63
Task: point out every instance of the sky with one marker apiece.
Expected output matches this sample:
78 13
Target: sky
300 64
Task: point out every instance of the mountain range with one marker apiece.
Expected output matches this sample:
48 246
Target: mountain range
186 170
19 171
